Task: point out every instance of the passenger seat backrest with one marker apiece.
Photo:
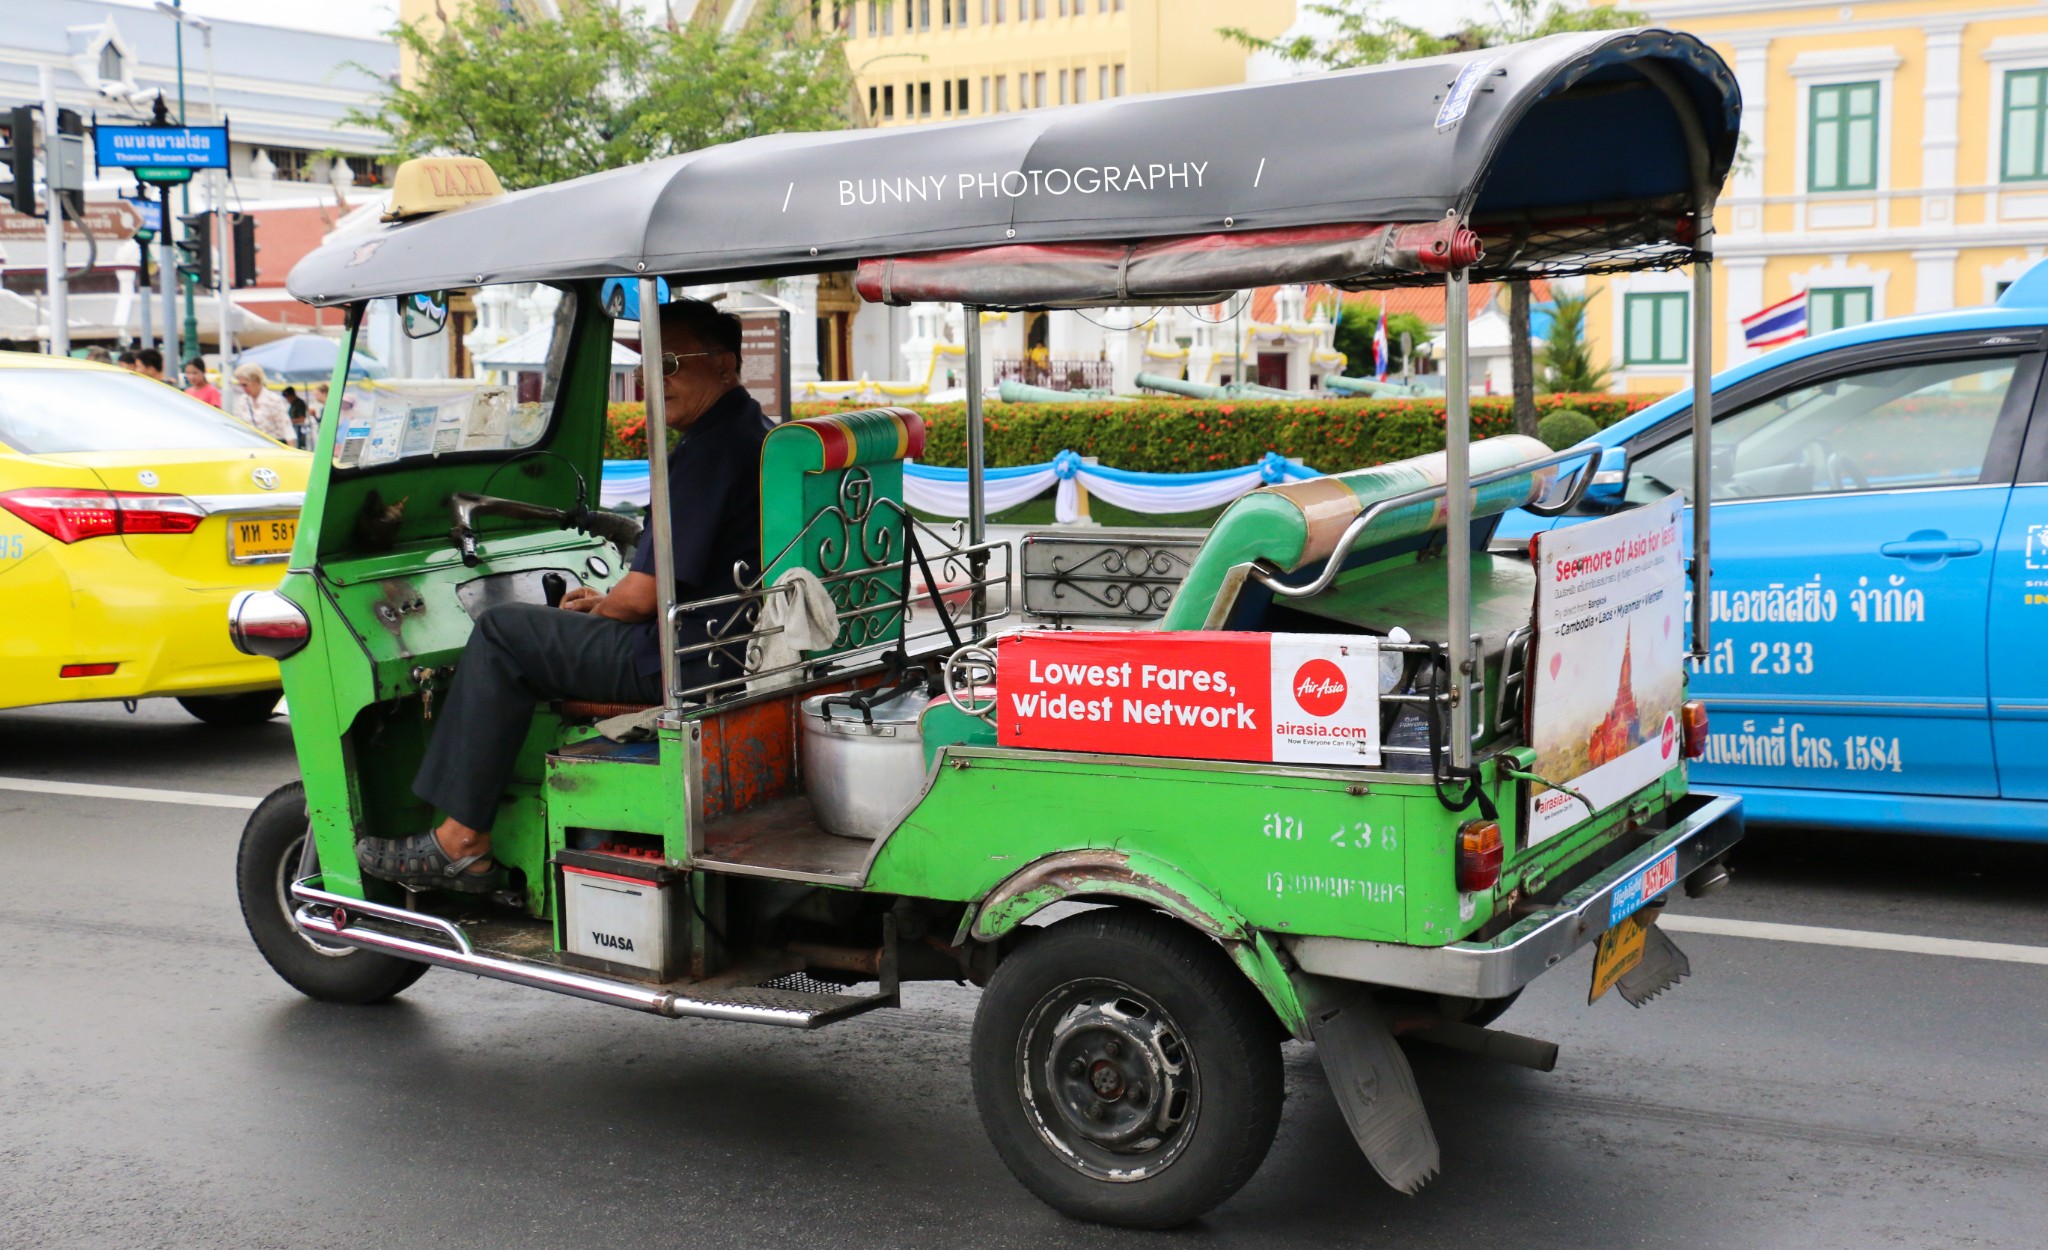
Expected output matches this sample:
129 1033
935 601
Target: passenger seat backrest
1295 526
831 496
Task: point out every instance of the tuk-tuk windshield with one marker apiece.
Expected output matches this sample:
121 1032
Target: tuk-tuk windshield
479 375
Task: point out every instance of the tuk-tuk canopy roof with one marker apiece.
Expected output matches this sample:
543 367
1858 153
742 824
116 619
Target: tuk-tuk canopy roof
1565 154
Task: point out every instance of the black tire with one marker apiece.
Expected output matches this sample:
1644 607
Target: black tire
1078 1035
1491 1009
273 854
233 709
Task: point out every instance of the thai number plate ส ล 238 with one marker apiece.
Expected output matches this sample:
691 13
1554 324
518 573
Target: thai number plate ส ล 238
261 538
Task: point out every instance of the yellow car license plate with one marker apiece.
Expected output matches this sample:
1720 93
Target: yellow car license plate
1621 948
258 538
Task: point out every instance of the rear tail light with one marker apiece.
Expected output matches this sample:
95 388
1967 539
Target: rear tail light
69 515
87 670
263 622
1479 855
1694 717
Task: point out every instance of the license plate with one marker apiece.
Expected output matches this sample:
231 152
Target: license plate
1628 897
261 538
1621 949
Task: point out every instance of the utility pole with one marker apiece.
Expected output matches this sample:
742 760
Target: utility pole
191 335
56 278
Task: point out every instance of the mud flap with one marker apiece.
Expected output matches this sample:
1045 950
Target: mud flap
1376 1091
1662 966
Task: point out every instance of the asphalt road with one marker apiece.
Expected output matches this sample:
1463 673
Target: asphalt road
160 1087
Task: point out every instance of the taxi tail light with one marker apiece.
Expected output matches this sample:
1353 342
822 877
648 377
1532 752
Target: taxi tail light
1694 717
263 622
1479 856
70 515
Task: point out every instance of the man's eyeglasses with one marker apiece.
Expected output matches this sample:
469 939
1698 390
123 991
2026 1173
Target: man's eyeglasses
672 361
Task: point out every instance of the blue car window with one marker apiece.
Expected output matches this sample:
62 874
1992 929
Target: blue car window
1919 425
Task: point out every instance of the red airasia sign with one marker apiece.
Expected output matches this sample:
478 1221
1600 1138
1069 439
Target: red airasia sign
1297 698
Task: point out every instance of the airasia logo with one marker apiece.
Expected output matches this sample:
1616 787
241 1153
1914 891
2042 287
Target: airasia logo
1319 687
1670 742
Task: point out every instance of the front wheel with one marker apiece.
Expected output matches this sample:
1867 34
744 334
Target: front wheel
277 849
1126 1071
233 709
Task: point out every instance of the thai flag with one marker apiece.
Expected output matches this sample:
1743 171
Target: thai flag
1379 348
1780 323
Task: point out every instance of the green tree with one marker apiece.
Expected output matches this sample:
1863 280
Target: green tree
1364 36
596 89
1567 364
1356 323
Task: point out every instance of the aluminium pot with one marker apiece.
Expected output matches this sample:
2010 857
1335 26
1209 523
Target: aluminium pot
862 772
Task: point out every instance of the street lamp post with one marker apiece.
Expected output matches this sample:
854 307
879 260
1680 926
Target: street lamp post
175 9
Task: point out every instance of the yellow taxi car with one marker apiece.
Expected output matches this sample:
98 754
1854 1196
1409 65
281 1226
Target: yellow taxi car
129 515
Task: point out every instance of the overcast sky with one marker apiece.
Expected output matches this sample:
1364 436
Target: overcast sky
340 17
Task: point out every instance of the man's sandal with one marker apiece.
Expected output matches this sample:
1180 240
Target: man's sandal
419 863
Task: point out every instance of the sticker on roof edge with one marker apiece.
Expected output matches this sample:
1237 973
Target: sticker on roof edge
1462 90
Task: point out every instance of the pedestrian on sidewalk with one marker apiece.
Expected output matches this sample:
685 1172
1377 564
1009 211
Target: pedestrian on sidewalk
295 408
261 408
196 384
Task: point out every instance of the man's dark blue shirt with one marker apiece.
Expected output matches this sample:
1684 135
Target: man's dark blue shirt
714 496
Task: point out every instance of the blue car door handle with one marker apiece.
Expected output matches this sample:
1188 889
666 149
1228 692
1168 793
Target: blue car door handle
1924 547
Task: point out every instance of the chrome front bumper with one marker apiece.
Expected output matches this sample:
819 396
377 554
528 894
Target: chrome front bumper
1706 825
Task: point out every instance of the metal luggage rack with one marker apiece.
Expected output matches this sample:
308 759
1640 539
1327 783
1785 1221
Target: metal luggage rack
874 593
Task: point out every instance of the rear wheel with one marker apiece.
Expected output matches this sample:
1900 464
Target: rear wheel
233 709
1126 1071
276 851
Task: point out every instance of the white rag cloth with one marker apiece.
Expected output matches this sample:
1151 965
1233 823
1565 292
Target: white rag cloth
799 616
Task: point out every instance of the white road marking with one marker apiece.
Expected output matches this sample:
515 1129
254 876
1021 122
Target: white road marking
83 790
1861 939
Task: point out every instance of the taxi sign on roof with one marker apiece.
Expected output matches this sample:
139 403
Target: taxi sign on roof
433 184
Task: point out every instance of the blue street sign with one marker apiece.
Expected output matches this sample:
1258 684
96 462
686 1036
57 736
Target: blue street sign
161 147
149 209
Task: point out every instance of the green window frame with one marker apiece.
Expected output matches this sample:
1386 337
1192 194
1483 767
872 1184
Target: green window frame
1841 137
1656 328
1836 307
2023 137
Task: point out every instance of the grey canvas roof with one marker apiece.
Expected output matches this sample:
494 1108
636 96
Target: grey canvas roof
1563 152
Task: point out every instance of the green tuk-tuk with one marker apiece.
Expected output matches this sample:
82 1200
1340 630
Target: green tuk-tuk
1366 780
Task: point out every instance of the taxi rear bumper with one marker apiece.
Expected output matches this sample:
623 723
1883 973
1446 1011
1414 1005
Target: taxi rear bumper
1703 828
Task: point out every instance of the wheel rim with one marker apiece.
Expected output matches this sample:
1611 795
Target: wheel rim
1108 1079
292 866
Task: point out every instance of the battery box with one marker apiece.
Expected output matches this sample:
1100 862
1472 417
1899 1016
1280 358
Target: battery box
623 913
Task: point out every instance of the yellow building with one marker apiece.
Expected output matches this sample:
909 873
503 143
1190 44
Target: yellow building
1895 161
926 60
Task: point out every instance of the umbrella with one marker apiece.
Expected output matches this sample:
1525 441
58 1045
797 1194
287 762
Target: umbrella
306 358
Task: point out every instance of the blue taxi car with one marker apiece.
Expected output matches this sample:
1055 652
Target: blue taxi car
1880 570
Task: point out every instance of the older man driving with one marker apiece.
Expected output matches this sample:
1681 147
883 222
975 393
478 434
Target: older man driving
598 645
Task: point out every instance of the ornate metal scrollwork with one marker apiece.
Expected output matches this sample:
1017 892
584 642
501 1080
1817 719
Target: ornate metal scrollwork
1136 580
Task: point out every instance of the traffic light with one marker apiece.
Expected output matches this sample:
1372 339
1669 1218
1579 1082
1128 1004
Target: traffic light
197 249
244 231
18 158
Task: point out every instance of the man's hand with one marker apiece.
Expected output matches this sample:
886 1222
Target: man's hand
631 600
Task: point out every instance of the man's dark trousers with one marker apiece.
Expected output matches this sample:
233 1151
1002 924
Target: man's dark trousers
519 655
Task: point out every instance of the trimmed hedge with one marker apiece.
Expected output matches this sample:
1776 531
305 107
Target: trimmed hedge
1194 435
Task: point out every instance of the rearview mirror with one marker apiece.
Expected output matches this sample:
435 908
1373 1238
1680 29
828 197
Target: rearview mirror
424 314
1610 478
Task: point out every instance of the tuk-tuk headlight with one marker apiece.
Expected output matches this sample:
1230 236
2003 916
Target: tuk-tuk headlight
1393 664
263 622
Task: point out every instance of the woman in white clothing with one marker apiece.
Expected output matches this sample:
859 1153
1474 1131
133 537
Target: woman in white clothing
259 406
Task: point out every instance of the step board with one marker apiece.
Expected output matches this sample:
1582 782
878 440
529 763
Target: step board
794 1001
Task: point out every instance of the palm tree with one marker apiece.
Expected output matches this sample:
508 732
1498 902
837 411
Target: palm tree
1567 364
